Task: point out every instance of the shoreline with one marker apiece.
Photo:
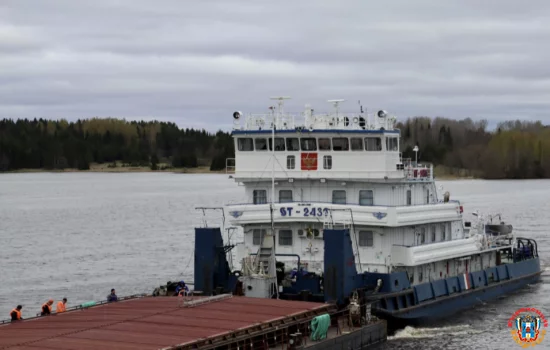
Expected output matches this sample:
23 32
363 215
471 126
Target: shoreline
100 169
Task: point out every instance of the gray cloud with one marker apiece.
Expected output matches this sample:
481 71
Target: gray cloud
194 63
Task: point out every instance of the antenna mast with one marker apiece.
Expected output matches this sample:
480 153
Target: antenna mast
281 102
336 105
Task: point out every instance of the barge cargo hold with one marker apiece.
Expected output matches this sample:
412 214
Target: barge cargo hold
220 322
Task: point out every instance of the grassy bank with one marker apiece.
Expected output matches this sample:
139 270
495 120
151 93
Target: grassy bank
446 173
122 168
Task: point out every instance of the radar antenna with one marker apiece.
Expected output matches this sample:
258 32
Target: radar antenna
336 103
281 102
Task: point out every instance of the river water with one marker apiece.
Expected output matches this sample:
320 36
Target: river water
77 235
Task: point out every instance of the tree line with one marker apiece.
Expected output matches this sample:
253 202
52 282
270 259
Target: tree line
49 144
514 150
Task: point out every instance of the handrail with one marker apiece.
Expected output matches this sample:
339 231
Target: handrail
356 204
230 169
288 255
83 306
211 208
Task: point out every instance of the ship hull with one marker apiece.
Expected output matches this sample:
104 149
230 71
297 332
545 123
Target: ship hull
440 307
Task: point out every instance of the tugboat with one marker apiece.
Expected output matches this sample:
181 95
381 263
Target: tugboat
336 214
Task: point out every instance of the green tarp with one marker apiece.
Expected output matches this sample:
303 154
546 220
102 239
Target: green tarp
319 327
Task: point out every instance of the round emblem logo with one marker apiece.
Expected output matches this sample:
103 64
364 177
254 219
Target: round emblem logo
528 327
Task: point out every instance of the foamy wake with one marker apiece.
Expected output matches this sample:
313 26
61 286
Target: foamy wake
413 332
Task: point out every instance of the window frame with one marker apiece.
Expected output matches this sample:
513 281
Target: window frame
288 141
326 160
392 144
371 198
255 196
277 140
291 196
281 238
377 145
329 144
361 145
306 139
256 144
409 197
262 233
340 150
339 191
293 159
364 238
239 139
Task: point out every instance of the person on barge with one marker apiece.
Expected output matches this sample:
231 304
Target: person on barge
15 314
47 308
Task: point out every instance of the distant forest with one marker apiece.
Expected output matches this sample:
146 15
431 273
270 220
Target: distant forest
515 150
45 144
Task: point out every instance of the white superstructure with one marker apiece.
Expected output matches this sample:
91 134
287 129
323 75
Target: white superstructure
302 174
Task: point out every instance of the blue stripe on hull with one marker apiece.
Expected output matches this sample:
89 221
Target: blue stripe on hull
443 306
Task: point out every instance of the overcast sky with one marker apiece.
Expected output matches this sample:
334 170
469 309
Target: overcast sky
195 62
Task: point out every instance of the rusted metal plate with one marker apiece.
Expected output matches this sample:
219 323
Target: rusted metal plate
147 323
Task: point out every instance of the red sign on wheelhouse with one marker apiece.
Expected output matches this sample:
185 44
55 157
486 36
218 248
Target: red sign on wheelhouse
309 161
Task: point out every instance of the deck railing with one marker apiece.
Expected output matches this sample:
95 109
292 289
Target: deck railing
85 305
230 166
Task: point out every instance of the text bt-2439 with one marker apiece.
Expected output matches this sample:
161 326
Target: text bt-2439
304 211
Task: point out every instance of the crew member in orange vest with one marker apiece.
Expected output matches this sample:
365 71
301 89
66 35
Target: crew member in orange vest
47 308
61 306
16 313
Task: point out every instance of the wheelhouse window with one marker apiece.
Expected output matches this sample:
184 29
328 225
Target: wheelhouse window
285 196
279 144
290 162
366 239
340 144
285 237
261 144
245 144
327 162
409 197
324 144
339 197
258 236
373 144
260 196
292 144
366 197
308 144
392 144
356 144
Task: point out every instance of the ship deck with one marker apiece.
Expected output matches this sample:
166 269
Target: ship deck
157 323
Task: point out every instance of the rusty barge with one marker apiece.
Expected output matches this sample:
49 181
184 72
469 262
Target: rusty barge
220 322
